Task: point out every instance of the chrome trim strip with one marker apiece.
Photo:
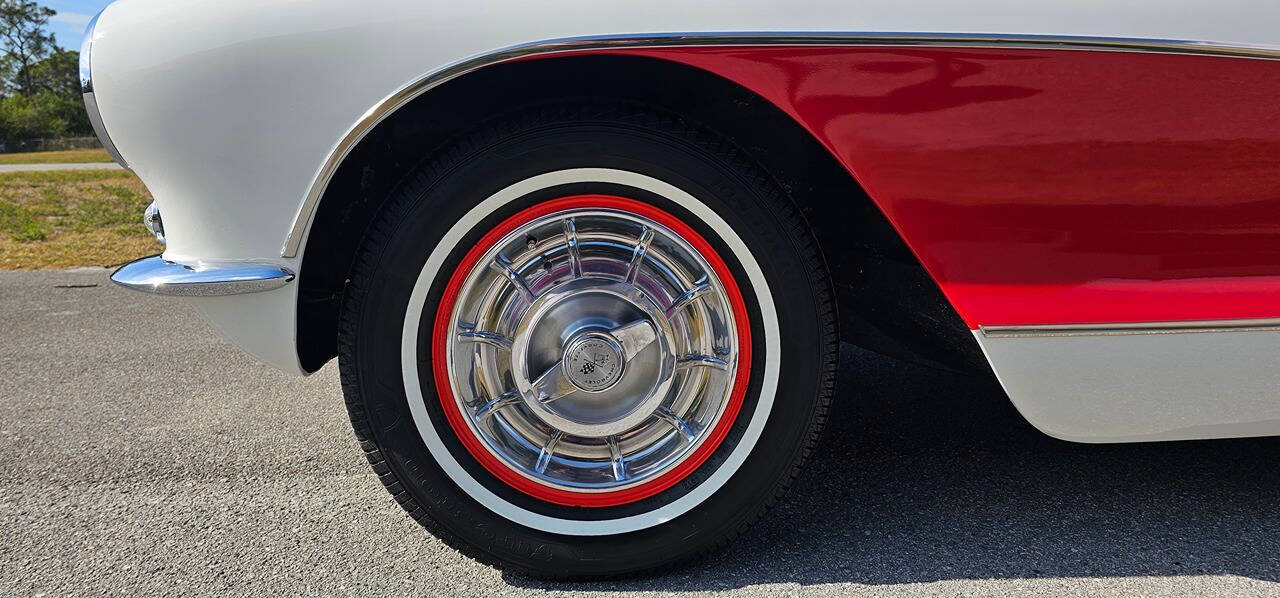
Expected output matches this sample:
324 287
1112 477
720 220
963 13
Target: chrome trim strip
1118 329
388 105
86 90
159 276
99 129
86 45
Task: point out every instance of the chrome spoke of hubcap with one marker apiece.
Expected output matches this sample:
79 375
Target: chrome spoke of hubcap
688 298
638 252
548 449
594 384
706 361
493 405
488 338
501 264
681 426
571 247
615 459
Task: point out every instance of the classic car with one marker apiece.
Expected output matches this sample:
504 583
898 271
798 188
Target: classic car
585 266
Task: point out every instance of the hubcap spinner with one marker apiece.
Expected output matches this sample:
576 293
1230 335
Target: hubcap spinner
575 394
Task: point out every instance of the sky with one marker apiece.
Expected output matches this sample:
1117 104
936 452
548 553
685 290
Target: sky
68 25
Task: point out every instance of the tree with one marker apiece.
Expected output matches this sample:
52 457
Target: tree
39 82
31 117
25 40
59 74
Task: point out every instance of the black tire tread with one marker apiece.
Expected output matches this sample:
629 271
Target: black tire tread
493 133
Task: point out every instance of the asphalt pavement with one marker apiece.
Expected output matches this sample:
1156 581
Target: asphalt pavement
142 454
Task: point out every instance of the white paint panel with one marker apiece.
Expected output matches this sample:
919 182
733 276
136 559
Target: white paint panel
1139 387
228 109
262 324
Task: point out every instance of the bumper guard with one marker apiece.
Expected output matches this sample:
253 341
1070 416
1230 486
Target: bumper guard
158 276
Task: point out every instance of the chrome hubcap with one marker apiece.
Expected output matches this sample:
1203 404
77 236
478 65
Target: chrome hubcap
591 350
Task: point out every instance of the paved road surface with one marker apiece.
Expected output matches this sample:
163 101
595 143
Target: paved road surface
66 166
140 453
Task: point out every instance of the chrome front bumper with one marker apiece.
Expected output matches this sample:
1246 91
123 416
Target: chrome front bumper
161 277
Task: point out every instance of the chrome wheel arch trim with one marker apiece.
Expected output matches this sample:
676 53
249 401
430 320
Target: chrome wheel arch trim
393 102
738 455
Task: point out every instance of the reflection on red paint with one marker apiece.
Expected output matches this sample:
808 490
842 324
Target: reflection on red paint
1052 186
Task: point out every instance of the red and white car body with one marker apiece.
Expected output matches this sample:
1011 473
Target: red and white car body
1093 186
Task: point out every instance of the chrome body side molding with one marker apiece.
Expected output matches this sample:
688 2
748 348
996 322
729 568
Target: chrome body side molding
159 276
388 105
1202 326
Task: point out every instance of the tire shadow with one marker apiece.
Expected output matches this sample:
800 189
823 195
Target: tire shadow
924 476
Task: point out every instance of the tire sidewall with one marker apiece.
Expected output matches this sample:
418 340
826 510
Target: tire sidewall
428 205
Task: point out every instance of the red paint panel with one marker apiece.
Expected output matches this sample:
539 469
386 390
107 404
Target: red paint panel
1052 186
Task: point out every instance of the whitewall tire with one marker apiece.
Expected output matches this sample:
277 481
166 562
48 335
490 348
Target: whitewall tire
563 346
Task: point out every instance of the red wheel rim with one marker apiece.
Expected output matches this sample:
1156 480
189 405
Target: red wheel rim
474 445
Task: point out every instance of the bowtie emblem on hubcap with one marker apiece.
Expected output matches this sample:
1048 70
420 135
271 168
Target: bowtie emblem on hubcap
593 362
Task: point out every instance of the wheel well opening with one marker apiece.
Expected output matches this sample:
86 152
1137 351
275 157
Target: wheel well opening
886 300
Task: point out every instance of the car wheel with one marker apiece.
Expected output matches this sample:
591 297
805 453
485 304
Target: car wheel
587 341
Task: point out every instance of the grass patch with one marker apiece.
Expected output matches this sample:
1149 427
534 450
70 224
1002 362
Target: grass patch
20 224
62 219
78 156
